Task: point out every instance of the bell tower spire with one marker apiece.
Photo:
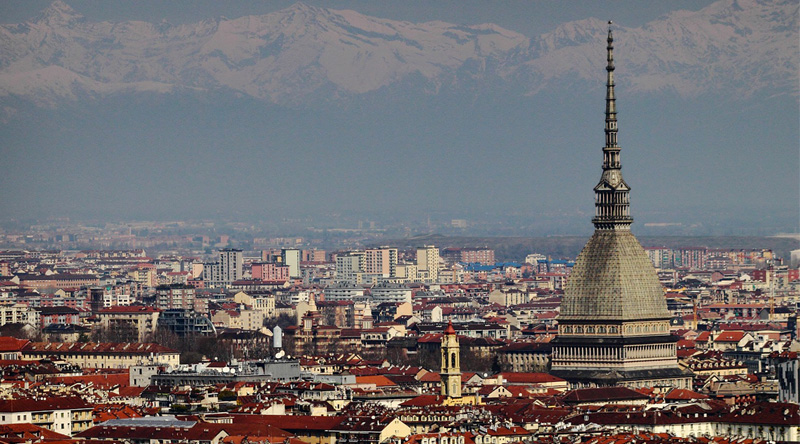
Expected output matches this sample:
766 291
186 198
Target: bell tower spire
612 200
451 365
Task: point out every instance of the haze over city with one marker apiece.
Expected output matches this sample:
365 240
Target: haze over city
414 111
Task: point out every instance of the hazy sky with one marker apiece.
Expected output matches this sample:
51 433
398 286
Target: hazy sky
527 17
536 159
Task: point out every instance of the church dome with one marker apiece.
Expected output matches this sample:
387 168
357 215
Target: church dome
613 279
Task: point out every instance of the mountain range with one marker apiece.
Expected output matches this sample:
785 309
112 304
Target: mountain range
309 110
303 54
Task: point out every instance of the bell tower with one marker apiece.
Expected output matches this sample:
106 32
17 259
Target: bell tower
451 365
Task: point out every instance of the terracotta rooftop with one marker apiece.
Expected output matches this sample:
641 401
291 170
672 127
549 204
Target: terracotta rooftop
96 348
529 378
603 395
9 344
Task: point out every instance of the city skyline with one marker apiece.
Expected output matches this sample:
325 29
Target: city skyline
345 327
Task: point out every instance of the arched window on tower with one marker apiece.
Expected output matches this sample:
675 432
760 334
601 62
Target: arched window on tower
452 360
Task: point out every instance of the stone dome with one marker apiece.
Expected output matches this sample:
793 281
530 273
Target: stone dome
613 279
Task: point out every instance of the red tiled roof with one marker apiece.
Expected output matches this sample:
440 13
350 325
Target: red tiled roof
44 404
291 423
129 392
104 381
378 380
686 352
529 378
730 336
703 337
431 377
96 348
433 338
603 395
424 401
107 412
54 277
766 413
683 394
9 344
29 432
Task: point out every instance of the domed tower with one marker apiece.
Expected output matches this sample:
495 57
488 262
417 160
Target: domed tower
613 328
451 363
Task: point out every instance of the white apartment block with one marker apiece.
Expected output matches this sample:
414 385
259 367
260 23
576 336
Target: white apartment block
381 261
291 258
428 263
350 266
534 258
175 296
18 313
344 292
259 302
224 271
407 272
65 415
390 293
297 297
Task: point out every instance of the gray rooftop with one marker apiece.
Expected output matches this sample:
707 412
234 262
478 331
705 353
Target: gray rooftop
149 421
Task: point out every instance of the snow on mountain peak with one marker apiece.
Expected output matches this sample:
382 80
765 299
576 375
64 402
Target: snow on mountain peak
303 51
58 13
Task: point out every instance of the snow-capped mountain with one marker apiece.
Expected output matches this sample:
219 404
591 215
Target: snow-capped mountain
737 46
303 51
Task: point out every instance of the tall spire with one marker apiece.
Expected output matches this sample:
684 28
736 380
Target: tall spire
612 202
613 327
611 101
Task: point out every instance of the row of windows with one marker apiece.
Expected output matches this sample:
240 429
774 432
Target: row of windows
601 329
590 329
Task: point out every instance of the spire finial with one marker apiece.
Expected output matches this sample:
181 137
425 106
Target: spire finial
612 206
610 67
611 102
